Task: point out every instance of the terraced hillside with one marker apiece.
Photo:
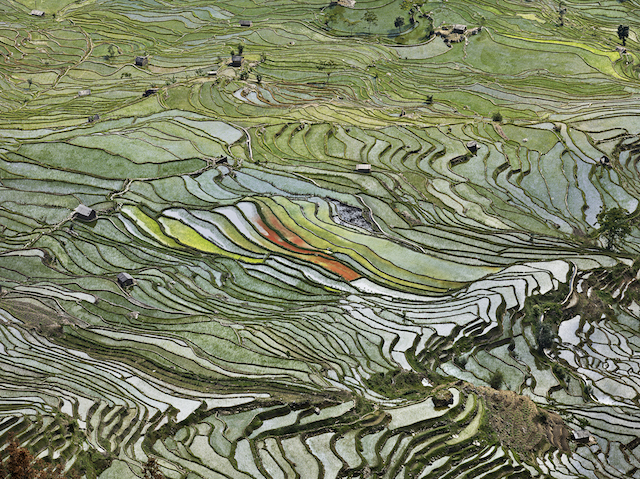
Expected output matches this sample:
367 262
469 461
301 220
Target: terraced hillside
454 313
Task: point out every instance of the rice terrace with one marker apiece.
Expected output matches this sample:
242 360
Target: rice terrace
251 239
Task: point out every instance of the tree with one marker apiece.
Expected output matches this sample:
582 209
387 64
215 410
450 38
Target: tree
21 464
240 48
406 5
30 82
614 226
399 21
497 117
111 53
623 33
151 469
544 337
496 380
327 65
370 18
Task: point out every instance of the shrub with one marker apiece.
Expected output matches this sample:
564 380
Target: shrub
496 380
544 337
497 117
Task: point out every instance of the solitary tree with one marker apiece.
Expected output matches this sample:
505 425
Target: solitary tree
544 337
496 379
614 226
399 22
370 18
151 470
623 33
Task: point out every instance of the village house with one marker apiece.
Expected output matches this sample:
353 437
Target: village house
363 168
581 436
236 60
84 213
37 13
459 29
125 280
142 61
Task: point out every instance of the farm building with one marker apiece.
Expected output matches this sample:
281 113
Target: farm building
236 60
363 168
245 23
472 146
459 29
84 93
37 13
84 213
142 61
581 436
125 280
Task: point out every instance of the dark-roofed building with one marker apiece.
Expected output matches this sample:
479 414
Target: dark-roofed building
245 23
472 146
142 61
84 213
236 60
125 280
581 436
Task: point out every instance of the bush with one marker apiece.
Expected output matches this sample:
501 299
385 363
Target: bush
496 380
497 116
544 337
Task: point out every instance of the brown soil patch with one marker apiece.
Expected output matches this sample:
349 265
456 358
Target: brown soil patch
46 320
520 424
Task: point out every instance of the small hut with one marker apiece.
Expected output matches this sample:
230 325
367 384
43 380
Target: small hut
84 93
363 168
236 60
94 118
212 73
581 436
459 29
84 213
37 13
125 280
245 23
142 61
604 161
472 146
